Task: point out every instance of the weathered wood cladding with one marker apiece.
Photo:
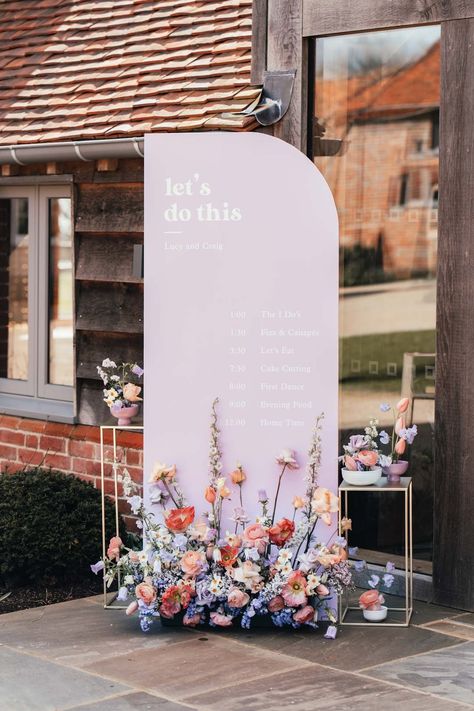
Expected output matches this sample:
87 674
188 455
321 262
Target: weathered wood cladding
109 298
331 17
112 207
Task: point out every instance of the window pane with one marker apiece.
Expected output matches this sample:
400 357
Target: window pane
376 142
14 241
60 292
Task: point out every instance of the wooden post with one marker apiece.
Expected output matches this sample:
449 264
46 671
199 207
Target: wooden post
285 51
453 565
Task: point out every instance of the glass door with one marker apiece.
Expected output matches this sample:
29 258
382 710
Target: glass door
375 139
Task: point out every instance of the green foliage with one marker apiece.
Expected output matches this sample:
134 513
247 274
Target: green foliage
362 265
50 528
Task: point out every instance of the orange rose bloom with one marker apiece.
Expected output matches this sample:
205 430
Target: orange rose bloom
281 531
178 520
371 600
367 457
228 556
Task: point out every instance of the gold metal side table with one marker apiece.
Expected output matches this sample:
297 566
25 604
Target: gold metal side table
383 486
115 464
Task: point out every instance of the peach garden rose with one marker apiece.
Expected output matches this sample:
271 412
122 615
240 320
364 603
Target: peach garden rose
255 536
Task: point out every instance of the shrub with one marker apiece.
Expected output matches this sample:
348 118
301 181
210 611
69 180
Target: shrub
50 528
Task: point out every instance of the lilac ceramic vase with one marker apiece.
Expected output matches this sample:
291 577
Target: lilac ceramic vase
124 414
395 471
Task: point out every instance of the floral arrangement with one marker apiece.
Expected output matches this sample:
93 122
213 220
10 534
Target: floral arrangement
373 599
363 451
401 434
193 570
119 391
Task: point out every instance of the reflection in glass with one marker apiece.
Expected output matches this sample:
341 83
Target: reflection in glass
60 370
376 142
14 242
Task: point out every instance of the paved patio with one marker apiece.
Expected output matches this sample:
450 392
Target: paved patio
76 655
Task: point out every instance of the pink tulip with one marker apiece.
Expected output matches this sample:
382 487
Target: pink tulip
400 446
350 463
402 405
399 425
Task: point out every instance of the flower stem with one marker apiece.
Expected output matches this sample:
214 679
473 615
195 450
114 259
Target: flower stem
170 493
277 492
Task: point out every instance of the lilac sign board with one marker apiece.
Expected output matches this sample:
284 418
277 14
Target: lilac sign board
241 303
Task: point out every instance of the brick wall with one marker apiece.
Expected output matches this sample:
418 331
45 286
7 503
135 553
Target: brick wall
73 449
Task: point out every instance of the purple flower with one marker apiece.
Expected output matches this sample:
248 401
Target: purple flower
252 554
136 370
384 437
359 565
384 407
388 580
122 594
409 433
390 567
357 442
354 550
262 496
97 567
340 541
203 594
373 581
331 632
180 541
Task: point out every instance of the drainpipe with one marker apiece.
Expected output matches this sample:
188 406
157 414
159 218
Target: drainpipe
23 154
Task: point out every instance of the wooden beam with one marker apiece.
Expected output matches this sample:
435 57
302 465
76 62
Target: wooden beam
285 51
332 17
259 40
453 564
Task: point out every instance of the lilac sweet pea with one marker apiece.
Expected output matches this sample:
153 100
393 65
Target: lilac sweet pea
388 580
373 581
136 370
97 567
357 442
384 407
409 433
331 632
390 567
359 565
384 437
262 496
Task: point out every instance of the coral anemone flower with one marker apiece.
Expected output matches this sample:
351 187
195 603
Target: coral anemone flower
228 556
294 592
281 532
178 520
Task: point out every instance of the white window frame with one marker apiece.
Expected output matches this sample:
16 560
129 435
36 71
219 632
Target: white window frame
36 397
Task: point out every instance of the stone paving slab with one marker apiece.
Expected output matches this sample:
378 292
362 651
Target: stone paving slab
448 674
203 664
31 684
81 632
316 687
456 628
353 649
132 702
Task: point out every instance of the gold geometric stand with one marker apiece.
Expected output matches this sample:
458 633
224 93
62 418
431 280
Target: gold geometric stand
383 486
109 597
